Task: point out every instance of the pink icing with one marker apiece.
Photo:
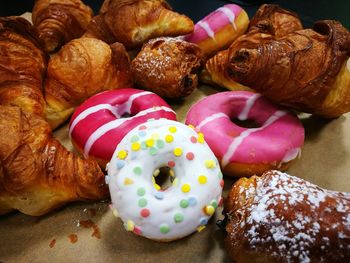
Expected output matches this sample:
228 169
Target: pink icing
139 105
279 138
216 21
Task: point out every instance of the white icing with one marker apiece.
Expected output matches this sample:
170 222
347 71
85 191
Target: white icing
291 155
348 64
126 106
90 111
239 139
211 118
206 28
98 133
248 106
230 15
163 205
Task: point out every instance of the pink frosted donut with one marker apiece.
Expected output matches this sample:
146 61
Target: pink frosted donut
100 123
219 29
246 151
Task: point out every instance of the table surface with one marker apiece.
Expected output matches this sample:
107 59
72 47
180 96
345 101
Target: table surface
325 160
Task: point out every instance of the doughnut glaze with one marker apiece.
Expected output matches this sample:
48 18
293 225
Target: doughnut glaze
187 204
219 29
100 123
246 151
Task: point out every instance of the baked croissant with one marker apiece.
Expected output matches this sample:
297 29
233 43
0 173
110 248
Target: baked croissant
281 218
82 68
22 65
37 174
59 21
305 70
269 22
133 22
168 67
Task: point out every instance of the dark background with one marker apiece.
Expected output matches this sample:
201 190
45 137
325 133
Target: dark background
308 10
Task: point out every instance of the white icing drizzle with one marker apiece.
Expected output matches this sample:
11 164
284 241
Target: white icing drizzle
239 139
206 28
348 64
291 155
90 111
98 133
126 106
230 15
248 106
211 118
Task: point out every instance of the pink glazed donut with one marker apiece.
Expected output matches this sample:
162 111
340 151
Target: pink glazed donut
101 122
219 29
247 151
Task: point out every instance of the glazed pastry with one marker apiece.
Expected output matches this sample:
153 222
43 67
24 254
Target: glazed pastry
133 22
273 144
282 218
37 174
101 122
82 68
22 65
60 21
168 67
305 70
172 212
269 22
219 29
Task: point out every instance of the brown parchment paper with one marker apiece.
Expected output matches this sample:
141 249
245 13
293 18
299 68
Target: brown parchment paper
325 160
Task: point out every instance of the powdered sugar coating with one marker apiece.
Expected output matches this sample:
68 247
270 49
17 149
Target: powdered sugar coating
290 219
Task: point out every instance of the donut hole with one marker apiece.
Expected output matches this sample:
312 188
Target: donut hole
250 124
163 178
125 115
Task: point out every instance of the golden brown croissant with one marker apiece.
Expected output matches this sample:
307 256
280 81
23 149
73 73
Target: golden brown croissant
133 22
306 70
59 21
22 65
37 173
82 68
281 218
168 66
270 21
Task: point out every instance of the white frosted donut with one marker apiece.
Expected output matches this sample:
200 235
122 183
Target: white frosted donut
185 206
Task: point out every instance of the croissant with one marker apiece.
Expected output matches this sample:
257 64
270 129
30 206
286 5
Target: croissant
133 22
269 22
22 65
37 173
305 70
282 218
82 68
59 21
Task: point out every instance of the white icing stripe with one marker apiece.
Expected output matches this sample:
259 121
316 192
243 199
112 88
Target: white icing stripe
206 28
291 155
248 106
211 118
239 139
124 108
98 133
348 64
230 15
90 111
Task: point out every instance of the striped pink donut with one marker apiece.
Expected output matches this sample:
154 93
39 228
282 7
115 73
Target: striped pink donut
101 122
247 151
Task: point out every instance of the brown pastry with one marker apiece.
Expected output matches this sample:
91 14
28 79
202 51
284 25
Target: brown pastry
59 21
82 68
306 70
37 174
269 22
168 67
281 218
22 65
133 22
